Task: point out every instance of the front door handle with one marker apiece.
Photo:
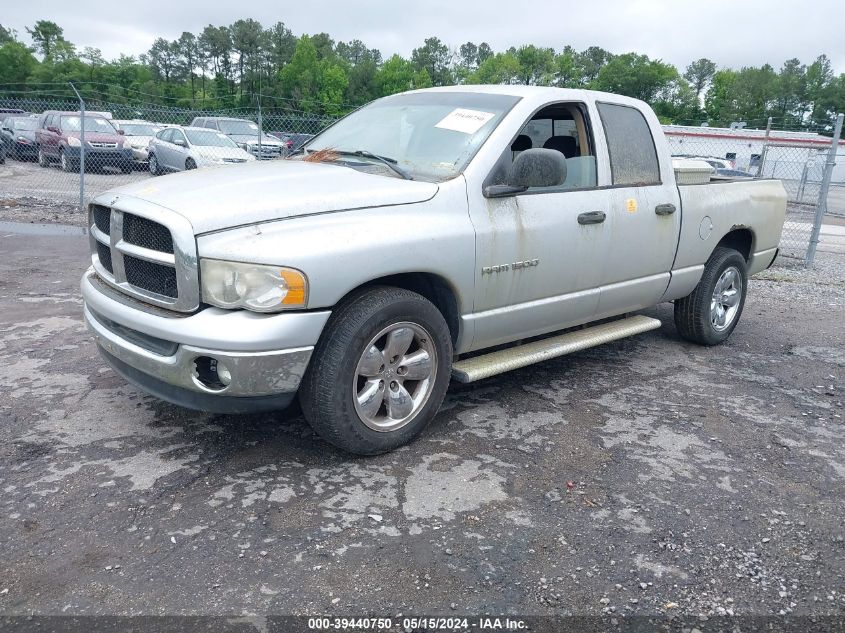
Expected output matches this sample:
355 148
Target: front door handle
592 217
665 209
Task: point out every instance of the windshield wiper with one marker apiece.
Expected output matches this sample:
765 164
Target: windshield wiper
389 162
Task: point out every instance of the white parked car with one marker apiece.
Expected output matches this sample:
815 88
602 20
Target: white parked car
183 148
138 135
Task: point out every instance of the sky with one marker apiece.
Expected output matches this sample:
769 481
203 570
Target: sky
731 33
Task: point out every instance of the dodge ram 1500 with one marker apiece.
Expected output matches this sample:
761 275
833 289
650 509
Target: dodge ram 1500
436 234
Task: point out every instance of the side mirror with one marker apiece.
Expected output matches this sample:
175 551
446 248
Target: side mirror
538 168
180 142
122 132
532 168
53 129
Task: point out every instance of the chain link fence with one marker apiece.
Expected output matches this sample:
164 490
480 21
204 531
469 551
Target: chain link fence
811 167
47 141
801 170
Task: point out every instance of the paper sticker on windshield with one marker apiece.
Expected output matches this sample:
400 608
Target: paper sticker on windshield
463 120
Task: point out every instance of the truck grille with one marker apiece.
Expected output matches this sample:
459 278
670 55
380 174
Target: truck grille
149 276
143 232
153 258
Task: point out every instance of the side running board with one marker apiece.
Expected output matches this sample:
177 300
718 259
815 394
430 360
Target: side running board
479 367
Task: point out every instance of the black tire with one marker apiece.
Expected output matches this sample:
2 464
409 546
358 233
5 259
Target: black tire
693 312
190 164
42 158
66 163
326 393
153 165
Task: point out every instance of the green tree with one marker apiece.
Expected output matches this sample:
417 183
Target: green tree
16 63
819 79
501 68
300 79
187 58
94 58
45 34
434 57
590 62
536 65
791 92
398 75
282 44
332 83
567 74
635 76
699 73
7 35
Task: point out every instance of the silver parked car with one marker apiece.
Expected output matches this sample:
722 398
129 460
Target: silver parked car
181 148
138 134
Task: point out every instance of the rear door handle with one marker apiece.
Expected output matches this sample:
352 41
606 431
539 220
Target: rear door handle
665 209
592 217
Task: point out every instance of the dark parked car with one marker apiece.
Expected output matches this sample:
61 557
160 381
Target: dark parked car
293 140
19 137
59 140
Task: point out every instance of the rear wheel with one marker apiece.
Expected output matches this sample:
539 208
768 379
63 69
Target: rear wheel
379 373
710 313
190 164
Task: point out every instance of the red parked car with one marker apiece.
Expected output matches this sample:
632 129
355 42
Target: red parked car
59 140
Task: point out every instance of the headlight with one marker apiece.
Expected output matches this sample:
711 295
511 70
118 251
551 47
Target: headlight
252 286
23 139
72 141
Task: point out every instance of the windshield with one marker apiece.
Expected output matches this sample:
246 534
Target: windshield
138 129
209 138
24 124
431 135
247 128
92 124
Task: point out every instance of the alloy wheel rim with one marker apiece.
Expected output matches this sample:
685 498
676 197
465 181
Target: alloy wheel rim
724 304
394 376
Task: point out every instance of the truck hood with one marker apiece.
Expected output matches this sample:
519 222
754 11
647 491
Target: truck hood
221 198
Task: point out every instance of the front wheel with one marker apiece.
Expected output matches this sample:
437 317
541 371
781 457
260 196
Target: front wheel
379 373
65 161
190 164
710 313
153 165
42 158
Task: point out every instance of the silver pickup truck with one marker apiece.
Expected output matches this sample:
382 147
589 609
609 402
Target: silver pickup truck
445 233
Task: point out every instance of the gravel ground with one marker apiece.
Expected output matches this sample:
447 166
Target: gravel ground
647 477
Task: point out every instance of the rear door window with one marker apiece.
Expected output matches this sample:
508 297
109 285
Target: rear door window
633 156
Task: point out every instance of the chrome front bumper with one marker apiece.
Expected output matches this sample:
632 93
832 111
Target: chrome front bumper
266 355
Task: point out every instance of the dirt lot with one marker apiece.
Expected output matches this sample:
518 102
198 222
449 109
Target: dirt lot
649 476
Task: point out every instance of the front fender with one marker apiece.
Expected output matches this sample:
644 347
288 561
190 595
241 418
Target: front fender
343 250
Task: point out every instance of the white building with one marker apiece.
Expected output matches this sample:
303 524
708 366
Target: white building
791 155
